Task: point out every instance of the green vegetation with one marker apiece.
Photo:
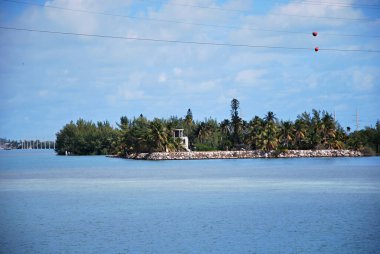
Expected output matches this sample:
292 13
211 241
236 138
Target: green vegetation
8 144
367 140
86 138
315 130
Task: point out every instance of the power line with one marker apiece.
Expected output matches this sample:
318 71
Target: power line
184 22
271 14
184 42
334 4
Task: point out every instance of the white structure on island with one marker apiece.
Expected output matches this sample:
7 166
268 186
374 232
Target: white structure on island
178 133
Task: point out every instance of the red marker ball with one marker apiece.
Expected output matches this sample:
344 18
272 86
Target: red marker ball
316 49
315 33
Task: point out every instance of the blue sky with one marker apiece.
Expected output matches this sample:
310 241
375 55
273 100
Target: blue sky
47 80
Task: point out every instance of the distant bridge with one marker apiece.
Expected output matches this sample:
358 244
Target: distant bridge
36 144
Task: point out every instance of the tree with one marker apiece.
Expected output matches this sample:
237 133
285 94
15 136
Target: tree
287 131
255 130
86 138
138 135
302 131
157 136
366 140
236 122
270 117
225 134
315 129
208 135
189 118
189 127
269 137
106 137
66 139
122 135
328 131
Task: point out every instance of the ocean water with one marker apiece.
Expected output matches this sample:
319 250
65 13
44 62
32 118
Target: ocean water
94 204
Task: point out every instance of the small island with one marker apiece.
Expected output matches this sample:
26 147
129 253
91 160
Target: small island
315 134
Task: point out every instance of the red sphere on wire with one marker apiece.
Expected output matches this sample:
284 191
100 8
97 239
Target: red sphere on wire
316 49
315 33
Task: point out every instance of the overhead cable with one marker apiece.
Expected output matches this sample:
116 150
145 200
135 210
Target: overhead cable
182 41
184 22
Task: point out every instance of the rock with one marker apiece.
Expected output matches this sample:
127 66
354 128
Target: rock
242 154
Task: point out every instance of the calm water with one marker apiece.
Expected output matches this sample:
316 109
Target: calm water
52 204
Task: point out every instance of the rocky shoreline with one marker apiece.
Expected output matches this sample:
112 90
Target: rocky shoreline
243 154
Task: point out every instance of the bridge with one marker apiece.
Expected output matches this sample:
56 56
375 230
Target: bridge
36 144
26 144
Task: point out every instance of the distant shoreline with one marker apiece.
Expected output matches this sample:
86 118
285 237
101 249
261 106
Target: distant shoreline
241 154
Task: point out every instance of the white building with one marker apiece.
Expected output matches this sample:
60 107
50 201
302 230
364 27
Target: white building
178 133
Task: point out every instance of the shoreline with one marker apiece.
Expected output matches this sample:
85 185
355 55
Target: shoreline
242 154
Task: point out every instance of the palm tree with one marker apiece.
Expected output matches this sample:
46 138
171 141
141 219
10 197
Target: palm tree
303 131
225 127
316 129
269 140
255 129
328 130
299 133
269 136
203 132
270 117
225 134
287 133
157 136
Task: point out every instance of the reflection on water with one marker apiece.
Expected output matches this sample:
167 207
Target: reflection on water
52 204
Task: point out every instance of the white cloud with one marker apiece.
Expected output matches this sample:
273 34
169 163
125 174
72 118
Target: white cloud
73 21
190 88
362 80
311 10
135 79
162 78
43 93
250 77
133 95
121 71
131 89
177 71
80 21
207 85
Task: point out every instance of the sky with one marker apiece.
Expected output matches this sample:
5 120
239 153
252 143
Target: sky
49 79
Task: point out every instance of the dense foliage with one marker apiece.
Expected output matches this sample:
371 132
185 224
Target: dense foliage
315 130
86 138
8 144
